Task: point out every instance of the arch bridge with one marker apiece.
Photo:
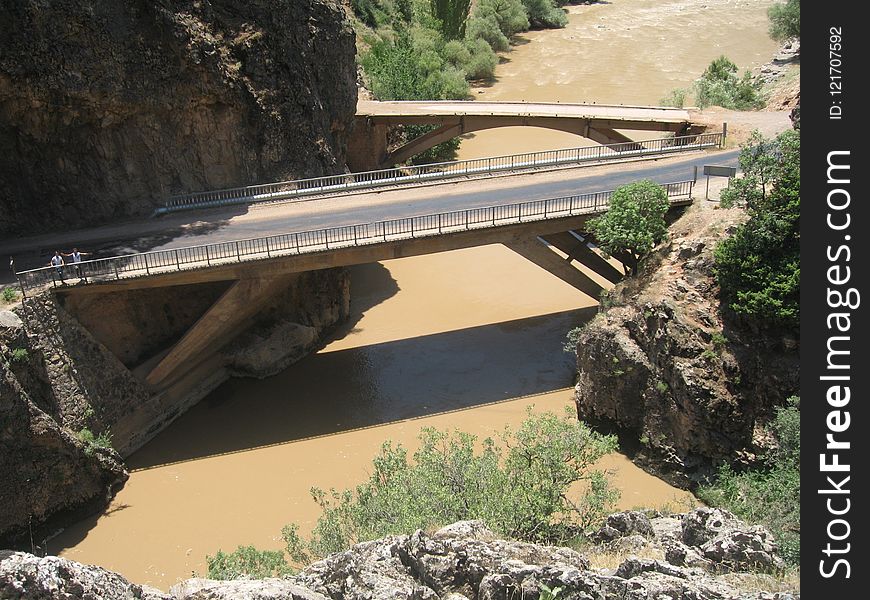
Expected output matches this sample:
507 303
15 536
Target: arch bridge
367 148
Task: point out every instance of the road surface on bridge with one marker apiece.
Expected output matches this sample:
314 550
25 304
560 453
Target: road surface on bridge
242 222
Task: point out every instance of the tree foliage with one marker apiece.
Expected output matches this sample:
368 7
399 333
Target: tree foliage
545 14
758 267
769 495
451 15
719 85
634 222
247 562
519 488
785 20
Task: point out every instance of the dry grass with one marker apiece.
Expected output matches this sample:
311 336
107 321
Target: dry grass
611 559
788 580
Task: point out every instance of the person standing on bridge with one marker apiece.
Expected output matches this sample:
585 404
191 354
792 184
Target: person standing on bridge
57 263
77 259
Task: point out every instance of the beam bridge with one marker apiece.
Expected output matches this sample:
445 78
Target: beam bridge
259 268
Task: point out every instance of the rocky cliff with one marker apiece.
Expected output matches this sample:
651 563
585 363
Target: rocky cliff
701 554
108 107
47 470
663 365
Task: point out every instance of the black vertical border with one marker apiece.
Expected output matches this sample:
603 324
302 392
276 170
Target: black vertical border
821 135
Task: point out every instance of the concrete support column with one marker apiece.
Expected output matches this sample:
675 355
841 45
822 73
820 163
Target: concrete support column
366 146
224 319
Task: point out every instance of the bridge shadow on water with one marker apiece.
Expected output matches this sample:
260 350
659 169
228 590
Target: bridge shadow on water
334 391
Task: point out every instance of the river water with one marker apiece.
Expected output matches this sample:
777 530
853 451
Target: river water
467 339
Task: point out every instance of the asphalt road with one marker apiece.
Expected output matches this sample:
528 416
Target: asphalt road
198 227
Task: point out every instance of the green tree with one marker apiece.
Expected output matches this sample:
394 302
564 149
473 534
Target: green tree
545 14
452 15
719 85
758 267
633 224
769 495
519 488
785 20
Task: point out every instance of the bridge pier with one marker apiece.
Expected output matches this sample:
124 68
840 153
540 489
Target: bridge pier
224 319
367 145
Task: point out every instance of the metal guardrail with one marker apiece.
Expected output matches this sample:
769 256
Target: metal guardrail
304 242
284 190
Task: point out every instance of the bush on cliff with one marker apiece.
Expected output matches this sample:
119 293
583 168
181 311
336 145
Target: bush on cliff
758 267
771 495
519 488
634 222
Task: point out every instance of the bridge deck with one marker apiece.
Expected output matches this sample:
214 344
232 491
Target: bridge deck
335 246
399 110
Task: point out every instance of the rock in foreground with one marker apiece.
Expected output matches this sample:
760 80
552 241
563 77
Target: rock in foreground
462 561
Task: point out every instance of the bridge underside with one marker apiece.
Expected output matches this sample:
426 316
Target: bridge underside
254 283
367 149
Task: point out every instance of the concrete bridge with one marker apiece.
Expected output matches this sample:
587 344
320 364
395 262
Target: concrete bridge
367 148
260 268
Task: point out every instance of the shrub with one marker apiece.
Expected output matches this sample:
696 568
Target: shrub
9 295
545 14
486 28
785 20
246 562
675 98
482 60
20 355
519 488
720 86
91 442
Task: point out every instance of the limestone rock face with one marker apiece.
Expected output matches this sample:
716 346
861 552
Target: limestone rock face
462 561
112 106
662 364
25 577
45 468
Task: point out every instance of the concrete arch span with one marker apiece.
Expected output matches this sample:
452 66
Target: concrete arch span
599 123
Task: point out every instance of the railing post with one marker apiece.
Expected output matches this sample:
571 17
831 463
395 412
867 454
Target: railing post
296 240
439 223
268 251
355 242
467 226
238 254
177 262
115 264
412 226
207 257
147 270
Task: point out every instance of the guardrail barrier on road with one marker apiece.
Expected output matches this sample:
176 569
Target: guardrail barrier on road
410 175
321 240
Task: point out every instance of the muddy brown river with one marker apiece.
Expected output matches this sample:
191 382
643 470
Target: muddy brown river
466 339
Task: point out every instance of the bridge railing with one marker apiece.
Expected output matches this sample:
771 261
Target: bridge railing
304 242
284 190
